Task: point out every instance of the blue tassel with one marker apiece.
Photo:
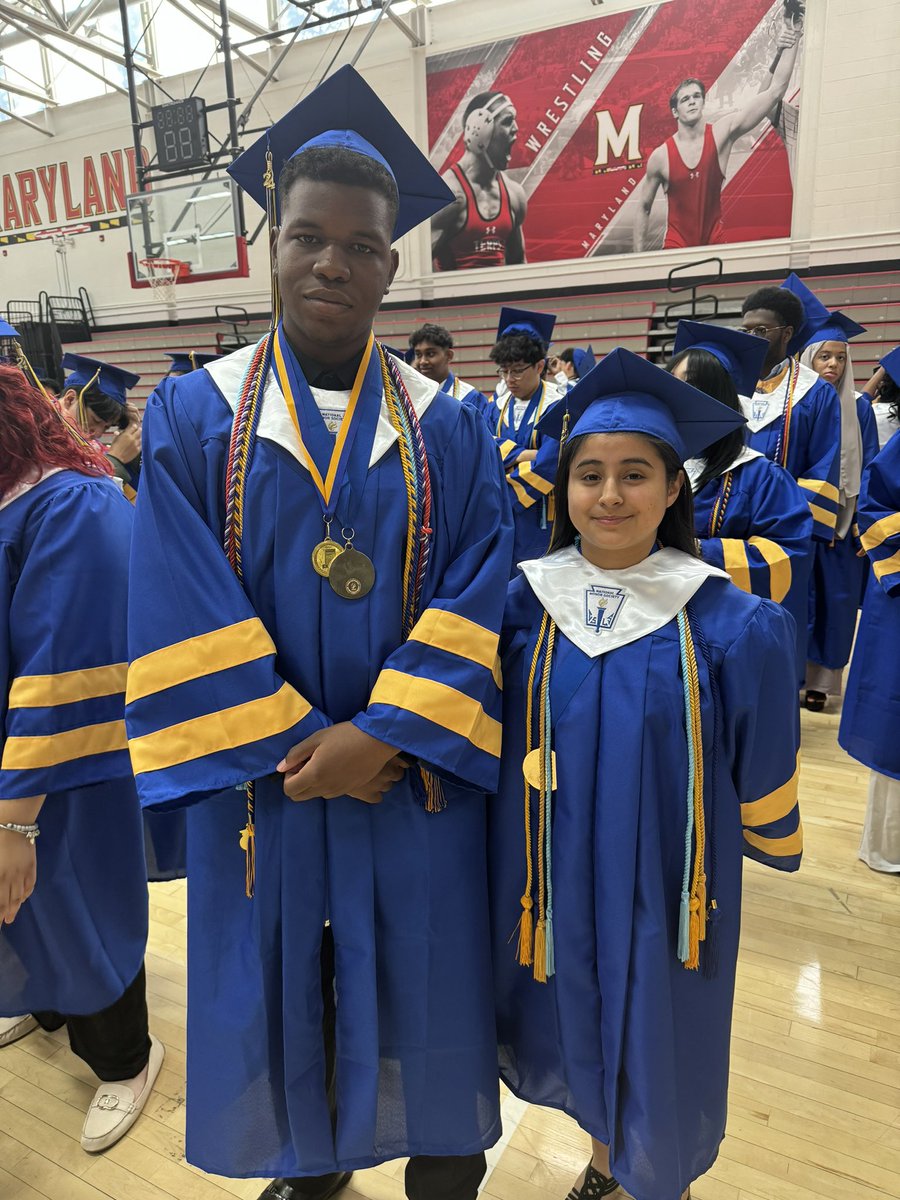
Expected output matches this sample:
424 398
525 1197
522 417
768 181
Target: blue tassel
684 927
710 954
551 956
544 513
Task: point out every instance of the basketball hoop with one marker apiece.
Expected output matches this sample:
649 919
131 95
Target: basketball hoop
163 274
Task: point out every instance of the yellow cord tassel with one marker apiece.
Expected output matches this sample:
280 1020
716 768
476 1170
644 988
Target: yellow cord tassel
540 951
435 801
248 845
525 947
693 958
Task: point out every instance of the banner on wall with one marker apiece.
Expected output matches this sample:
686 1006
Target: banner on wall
669 126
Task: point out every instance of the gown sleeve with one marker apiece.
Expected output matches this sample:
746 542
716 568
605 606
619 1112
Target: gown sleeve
533 481
819 472
778 541
438 695
878 515
206 708
762 736
65 603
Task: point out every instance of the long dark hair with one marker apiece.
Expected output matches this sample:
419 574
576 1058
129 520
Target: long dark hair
677 526
704 372
889 393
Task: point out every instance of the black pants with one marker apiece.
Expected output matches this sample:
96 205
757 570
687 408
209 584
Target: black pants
115 1043
449 1177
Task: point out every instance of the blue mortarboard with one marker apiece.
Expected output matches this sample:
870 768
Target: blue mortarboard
6 330
189 360
344 111
891 364
112 381
521 320
819 323
741 354
583 361
627 394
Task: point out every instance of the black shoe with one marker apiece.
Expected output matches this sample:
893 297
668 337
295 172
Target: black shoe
815 701
595 1186
311 1187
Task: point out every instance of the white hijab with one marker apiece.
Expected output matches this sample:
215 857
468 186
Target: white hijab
851 435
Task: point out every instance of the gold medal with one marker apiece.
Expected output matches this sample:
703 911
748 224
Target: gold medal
323 556
352 574
531 769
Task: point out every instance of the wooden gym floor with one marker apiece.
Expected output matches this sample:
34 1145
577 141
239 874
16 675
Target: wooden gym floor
815 1086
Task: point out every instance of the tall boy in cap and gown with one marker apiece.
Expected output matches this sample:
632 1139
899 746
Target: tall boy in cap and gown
512 414
314 631
95 398
650 713
822 345
751 519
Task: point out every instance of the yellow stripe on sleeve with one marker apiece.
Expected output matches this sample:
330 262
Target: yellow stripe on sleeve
507 447
441 704
775 805
521 495
782 847
734 561
530 476
880 531
779 564
216 731
457 635
35 753
822 488
68 687
823 516
231 646
887 566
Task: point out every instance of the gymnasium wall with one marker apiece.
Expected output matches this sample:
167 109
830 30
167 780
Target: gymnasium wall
846 186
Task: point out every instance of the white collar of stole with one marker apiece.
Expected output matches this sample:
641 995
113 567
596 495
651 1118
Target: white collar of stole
22 489
275 423
762 408
694 467
601 610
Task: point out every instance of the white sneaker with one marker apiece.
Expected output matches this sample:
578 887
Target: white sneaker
115 1107
13 1028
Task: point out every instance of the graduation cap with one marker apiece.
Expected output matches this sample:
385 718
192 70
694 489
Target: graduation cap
186 361
627 394
6 330
741 354
344 111
537 325
112 381
583 361
819 323
891 364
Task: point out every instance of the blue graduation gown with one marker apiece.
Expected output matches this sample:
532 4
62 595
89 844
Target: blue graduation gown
530 482
764 540
838 575
223 682
79 940
814 444
870 718
622 1037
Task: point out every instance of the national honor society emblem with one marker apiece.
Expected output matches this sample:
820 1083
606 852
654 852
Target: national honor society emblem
602 606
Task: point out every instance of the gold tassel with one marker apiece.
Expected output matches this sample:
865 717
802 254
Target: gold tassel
693 959
540 951
525 947
248 845
435 801
701 898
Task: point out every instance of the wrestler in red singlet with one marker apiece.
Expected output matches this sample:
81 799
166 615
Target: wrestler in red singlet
480 242
694 196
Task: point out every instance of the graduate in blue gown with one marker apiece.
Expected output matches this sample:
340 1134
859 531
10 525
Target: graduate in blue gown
751 519
73 896
314 629
513 413
94 400
570 365
870 717
794 417
651 707
431 353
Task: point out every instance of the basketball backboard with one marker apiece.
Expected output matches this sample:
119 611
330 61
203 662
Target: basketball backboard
196 223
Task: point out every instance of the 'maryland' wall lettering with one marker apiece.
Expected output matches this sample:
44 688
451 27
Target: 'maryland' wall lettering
56 193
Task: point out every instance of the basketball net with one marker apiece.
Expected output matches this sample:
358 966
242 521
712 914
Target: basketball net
163 275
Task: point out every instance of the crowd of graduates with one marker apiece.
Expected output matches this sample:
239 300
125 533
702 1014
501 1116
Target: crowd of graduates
459 711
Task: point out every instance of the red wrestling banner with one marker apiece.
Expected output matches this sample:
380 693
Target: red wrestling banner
672 125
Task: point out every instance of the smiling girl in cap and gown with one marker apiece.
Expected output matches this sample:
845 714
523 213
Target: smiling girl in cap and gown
344 592
870 717
651 708
750 517
73 904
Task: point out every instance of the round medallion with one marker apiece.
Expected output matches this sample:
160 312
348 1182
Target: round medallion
352 574
323 556
531 769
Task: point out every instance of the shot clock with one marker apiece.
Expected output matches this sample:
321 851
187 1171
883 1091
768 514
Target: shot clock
182 139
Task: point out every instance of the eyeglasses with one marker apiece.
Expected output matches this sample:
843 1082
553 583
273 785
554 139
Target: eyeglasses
762 331
514 372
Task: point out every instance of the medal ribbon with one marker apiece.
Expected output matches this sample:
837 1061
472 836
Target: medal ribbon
303 410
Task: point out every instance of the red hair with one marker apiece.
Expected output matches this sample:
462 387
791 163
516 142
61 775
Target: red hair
34 435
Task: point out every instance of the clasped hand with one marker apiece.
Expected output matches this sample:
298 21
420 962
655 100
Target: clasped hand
341 761
18 873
